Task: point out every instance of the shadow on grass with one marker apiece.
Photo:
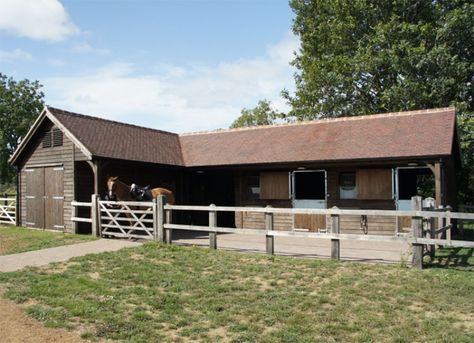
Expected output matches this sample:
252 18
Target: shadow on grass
453 258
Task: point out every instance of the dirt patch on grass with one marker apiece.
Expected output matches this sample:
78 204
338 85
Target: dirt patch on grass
17 327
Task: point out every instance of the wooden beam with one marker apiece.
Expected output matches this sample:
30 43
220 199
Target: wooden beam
438 171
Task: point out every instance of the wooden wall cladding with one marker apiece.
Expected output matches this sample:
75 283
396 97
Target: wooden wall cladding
374 184
274 185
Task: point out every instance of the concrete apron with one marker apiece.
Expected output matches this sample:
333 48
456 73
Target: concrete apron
366 251
10 263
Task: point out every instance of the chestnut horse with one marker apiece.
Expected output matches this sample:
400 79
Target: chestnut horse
120 191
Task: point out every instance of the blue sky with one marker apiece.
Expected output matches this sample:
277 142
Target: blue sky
183 65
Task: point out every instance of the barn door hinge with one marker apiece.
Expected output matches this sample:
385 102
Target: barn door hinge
58 198
30 197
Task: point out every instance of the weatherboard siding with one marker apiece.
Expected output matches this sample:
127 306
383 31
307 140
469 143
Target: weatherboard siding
39 157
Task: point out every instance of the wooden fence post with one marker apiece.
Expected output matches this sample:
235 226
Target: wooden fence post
335 243
169 232
156 220
17 209
270 240
95 211
212 226
417 232
160 217
448 223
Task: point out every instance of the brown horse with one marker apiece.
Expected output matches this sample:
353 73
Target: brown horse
120 191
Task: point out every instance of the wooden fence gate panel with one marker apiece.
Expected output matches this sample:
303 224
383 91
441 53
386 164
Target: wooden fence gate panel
130 220
35 197
8 210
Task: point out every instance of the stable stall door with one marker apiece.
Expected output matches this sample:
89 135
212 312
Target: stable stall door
412 181
309 189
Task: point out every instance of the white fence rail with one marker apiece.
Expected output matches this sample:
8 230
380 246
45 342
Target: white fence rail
153 220
8 211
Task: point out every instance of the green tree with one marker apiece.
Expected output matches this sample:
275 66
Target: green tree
466 140
364 56
262 114
20 102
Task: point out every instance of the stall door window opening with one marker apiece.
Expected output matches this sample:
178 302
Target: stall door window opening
415 181
310 185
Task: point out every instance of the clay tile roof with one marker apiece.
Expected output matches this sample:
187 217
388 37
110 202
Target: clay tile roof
426 133
414 134
106 138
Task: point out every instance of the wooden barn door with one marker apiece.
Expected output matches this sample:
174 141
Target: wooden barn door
45 198
54 198
35 197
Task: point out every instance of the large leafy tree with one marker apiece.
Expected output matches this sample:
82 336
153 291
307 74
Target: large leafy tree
20 102
262 114
365 56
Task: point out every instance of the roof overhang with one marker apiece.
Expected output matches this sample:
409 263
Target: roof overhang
46 114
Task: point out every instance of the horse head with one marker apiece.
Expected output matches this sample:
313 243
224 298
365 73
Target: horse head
112 187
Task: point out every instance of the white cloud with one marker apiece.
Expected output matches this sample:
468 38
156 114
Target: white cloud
14 55
178 98
36 19
87 48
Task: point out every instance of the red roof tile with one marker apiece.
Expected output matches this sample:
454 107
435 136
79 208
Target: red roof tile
426 133
396 135
106 138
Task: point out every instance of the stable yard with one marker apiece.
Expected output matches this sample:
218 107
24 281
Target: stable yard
170 293
16 239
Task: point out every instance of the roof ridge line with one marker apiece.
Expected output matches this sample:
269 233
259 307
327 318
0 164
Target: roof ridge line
110 121
323 120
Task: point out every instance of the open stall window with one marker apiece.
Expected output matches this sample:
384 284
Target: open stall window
347 185
253 187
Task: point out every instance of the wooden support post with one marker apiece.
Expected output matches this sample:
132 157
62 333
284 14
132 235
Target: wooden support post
212 226
335 243
448 222
169 232
438 174
270 240
95 210
161 201
17 209
417 231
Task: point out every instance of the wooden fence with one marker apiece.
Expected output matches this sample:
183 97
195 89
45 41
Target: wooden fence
8 211
153 220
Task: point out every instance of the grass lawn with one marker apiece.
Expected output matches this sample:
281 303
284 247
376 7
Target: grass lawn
17 239
177 294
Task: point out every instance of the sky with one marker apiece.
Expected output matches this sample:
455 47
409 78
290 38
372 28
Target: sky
176 65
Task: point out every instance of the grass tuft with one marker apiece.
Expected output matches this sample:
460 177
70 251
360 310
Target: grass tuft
168 293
